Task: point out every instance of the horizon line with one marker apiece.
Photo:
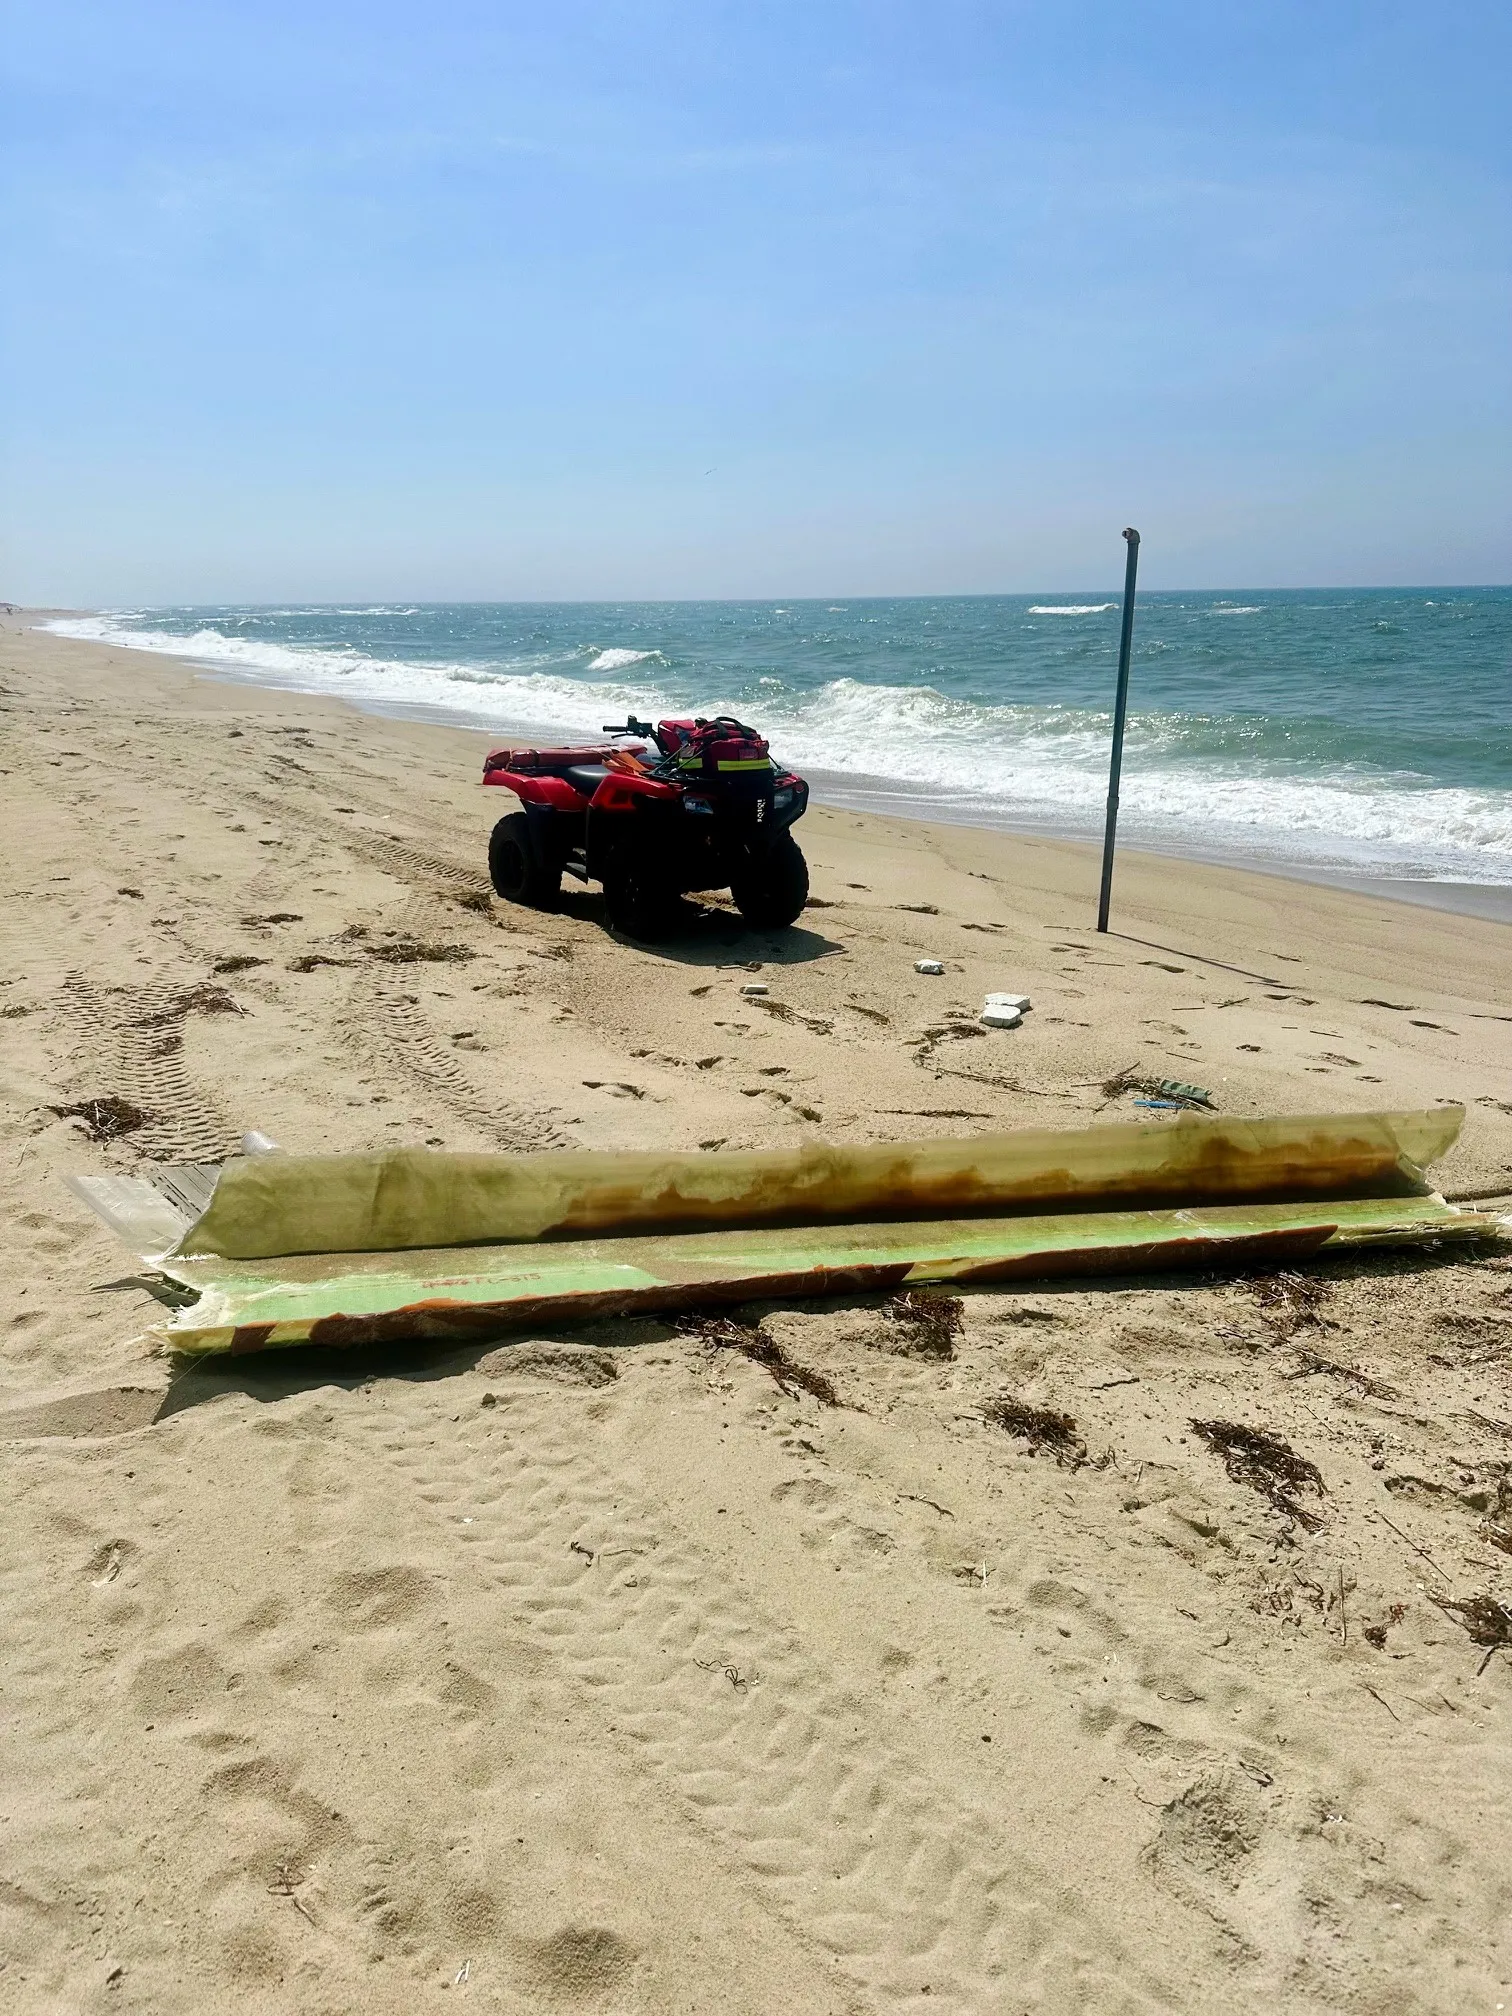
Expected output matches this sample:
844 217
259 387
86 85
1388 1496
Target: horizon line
1112 594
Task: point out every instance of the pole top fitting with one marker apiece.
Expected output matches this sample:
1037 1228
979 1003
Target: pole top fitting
1131 535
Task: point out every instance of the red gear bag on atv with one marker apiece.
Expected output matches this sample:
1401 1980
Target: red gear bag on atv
722 754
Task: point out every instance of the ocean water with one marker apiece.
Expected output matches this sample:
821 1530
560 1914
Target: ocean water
1366 732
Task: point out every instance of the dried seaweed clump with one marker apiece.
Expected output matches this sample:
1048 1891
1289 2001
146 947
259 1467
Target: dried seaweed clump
784 1012
414 951
208 1000
1488 1622
202 1000
1289 1302
107 1119
1040 1427
927 1325
237 962
753 1343
1267 1464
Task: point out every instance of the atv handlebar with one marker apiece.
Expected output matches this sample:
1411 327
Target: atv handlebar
630 727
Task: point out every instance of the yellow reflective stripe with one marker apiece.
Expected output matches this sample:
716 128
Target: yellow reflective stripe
756 763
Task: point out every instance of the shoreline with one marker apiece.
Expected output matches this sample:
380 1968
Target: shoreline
1489 901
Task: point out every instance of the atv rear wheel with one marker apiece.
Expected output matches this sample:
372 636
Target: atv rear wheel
516 867
772 891
640 902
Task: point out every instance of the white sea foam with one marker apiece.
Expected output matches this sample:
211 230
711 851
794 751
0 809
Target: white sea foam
1035 766
537 690
616 658
1070 608
1235 609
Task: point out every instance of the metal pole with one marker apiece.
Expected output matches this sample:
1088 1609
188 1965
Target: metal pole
1120 710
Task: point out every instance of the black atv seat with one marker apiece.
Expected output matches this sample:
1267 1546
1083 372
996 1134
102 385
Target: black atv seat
585 777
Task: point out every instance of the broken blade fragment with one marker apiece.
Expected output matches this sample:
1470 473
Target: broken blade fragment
350 1250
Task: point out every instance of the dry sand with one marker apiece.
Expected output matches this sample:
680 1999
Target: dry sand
598 1672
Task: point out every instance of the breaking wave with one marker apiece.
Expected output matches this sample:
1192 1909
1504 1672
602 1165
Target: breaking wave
617 658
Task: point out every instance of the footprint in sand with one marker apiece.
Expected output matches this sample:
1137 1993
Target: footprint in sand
1208 1837
106 1562
581 1966
261 1618
809 1492
177 1684
374 1599
471 1916
465 1692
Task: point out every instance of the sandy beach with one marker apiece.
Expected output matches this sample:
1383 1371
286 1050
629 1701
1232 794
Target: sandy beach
594 1670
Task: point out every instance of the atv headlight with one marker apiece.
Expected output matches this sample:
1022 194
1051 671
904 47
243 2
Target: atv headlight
697 805
782 798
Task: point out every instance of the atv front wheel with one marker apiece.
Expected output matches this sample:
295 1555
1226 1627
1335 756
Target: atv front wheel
515 866
640 903
773 890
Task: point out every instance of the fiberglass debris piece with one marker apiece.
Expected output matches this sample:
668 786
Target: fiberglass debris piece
409 1197
460 1293
347 1250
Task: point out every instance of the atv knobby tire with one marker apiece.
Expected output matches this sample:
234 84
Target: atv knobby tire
773 890
640 902
515 866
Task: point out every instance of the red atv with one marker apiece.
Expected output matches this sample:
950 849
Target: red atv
709 810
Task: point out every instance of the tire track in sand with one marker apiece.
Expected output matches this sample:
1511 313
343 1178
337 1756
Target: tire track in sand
393 854
382 1018
136 1035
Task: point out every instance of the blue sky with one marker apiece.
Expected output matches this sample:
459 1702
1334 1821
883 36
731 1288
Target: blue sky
591 300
